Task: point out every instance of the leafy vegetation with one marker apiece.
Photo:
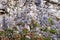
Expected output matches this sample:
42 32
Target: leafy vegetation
50 21
52 31
46 38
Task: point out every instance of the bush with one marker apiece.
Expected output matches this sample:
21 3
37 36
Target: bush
52 31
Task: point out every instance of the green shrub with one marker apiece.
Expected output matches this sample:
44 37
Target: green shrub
52 31
50 21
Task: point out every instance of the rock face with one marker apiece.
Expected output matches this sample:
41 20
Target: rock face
55 0
4 24
3 4
39 10
23 11
37 2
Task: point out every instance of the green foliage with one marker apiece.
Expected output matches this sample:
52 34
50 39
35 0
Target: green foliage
20 23
59 31
19 38
9 33
1 33
33 24
36 24
50 21
46 38
52 31
27 39
24 31
44 29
